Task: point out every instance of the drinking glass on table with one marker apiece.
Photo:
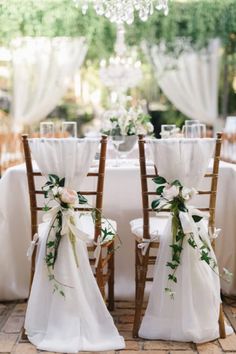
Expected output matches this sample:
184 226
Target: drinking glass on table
117 141
194 130
69 129
168 131
46 129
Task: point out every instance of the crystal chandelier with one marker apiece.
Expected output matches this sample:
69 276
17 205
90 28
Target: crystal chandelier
122 71
122 11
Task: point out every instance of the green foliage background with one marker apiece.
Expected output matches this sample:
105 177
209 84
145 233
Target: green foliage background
198 20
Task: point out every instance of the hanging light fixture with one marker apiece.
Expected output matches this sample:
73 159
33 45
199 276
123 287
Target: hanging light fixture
122 71
122 11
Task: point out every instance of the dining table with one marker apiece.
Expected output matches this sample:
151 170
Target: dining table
122 203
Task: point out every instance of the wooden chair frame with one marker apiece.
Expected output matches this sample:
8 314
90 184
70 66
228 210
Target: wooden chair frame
143 261
104 272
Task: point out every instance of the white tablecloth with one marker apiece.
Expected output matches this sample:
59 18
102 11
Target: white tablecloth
122 202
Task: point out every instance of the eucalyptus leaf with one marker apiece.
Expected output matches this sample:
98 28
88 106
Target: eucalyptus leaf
159 180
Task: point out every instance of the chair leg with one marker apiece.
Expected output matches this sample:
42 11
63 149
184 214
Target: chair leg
111 270
137 265
222 323
142 274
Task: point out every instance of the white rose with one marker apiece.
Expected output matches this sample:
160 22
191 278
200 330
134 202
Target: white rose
69 196
188 193
170 192
141 130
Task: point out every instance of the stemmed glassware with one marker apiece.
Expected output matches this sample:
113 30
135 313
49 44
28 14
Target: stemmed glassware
117 140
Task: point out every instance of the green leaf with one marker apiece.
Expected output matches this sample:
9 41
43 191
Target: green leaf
182 207
159 190
46 208
176 247
50 244
82 199
172 265
176 183
172 277
192 242
159 180
62 293
62 182
155 204
197 218
53 178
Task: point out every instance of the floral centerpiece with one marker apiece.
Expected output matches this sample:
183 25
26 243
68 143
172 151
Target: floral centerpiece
127 122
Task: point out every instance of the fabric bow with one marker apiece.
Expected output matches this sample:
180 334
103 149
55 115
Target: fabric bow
33 243
143 246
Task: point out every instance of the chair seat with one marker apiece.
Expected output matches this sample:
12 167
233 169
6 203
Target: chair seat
156 226
85 223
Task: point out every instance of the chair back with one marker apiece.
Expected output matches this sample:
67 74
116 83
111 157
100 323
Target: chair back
148 193
37 204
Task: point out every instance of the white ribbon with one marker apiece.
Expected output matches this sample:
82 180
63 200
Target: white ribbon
214 234
143 246
33 243
186 219
97 250
68 217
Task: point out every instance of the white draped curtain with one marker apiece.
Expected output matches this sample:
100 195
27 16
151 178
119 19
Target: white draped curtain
42 69
190 81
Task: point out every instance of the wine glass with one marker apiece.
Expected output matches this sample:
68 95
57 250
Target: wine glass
46 129
69 129
117 140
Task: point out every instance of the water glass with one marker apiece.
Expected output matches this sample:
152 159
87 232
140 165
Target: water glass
46 129
168 131
69 129
191 122
194 130
201 130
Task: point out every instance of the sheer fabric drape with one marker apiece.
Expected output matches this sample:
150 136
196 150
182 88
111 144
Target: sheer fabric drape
80 321
42 69
190 81
193 313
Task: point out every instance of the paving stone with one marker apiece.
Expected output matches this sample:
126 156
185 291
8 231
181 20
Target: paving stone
181 352
19 309
25 348
3 308
127 335
132 345
145 352
125 326
209 348
229 343
126 319
7 342
124 305
14 324
106 352
166 345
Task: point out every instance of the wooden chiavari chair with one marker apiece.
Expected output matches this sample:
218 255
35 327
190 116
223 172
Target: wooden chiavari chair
142 262
104 272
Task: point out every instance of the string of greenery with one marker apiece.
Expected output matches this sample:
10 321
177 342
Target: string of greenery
198 20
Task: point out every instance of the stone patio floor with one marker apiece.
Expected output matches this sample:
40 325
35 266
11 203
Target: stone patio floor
12 319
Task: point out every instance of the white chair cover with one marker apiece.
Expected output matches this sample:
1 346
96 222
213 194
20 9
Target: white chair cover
80 321
193 313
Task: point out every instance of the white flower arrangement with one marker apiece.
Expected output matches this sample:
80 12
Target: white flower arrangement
126 122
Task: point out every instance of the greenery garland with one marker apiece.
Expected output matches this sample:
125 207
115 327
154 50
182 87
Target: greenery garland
197 20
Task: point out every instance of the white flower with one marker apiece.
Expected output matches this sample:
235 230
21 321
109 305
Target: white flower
188 193
68 196
170 192
150 127
140 129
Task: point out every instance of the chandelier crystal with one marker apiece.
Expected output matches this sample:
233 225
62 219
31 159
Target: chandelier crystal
122 11
122 70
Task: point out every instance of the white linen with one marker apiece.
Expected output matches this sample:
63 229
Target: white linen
122 202
194 312
190 81
80 321
42 70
